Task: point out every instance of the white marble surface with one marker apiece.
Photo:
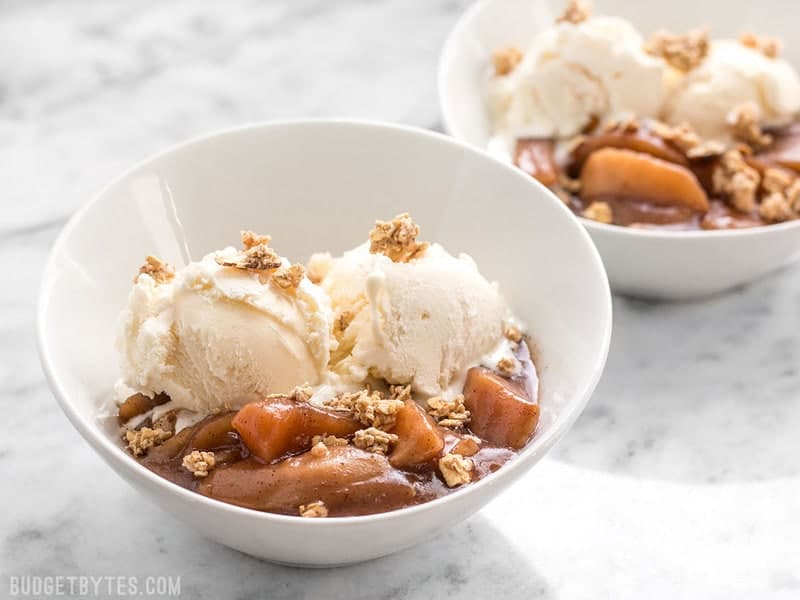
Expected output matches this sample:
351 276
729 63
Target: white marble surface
681 480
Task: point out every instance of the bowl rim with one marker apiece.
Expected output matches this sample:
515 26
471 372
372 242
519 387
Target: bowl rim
447 58
117 457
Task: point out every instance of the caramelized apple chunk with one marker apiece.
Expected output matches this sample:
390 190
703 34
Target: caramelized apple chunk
138 404
535 157
641 140
344 479
501 413
278 426
616 173
419 439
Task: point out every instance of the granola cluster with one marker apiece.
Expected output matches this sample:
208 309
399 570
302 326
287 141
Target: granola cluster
141 440
374 440
513 334
781 200
397 239
768 46
329 441
575 12
160 271
683 51
289 278
455 469
449 413
599 211
508 366
368 407
505 60
313 510
199 462
256 255
745 123
736 180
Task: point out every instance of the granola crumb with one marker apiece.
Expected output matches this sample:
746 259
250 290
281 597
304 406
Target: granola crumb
683 51
255 258
706 149
141 440
374 440
745 124
682 136
575 12
569 184
199 462
776 208
302 393
160 271
736 180
449 413
251 240
313 510
506 59
508 366
330 441
167 422
513 334
770 47
600 212
289 278
397 239
455 469
318 267
373 410
400 392
319 450
781 201
628 124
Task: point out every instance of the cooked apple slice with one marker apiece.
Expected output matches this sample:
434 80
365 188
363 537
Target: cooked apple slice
419 439
278 426
785 150
501 413
345 479
535 157
638 141
138 404
616 173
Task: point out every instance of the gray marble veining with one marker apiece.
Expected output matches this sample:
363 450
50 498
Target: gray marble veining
681 480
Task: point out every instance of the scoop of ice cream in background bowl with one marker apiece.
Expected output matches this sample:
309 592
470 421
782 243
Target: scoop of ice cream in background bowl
568 76
214 336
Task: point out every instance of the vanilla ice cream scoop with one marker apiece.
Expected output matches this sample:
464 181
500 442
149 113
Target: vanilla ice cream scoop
574 73
423 322
218 337
732 75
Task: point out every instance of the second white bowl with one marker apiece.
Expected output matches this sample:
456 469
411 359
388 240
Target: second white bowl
655 264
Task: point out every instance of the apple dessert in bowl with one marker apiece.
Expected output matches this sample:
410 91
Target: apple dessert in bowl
380 379
675 149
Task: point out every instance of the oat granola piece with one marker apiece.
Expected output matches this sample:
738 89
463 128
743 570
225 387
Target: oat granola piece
374 440
706 149
683 51
397 239
199 462
682 136
313 510
141 440
768 46
302 393
251 240
375 411
513 334
167 421
455 469
509 366
776 208
160 271
600 212
736 180
256 258
289 278
449 413
745 123
319 265
506 59
575 12
628 124
781 201
330 441
400 392
319 450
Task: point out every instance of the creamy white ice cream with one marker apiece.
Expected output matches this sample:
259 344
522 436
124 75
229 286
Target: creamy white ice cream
423 322
574 73
731 75
217 337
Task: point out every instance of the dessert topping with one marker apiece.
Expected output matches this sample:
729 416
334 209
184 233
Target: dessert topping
745 122
736 180
768 46
575 12
289 278
683 51
374 440
506 59
256 255
141 440
199 462
781 201
513 334
313 510
331 441
449 413
160 271
342 322
455 469
596 211
397 239
250 240
368 407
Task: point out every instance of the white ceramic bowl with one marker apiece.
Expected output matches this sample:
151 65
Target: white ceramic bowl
320 185
658 264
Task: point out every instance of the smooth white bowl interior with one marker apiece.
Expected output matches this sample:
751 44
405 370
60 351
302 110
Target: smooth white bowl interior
660 264
320 186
